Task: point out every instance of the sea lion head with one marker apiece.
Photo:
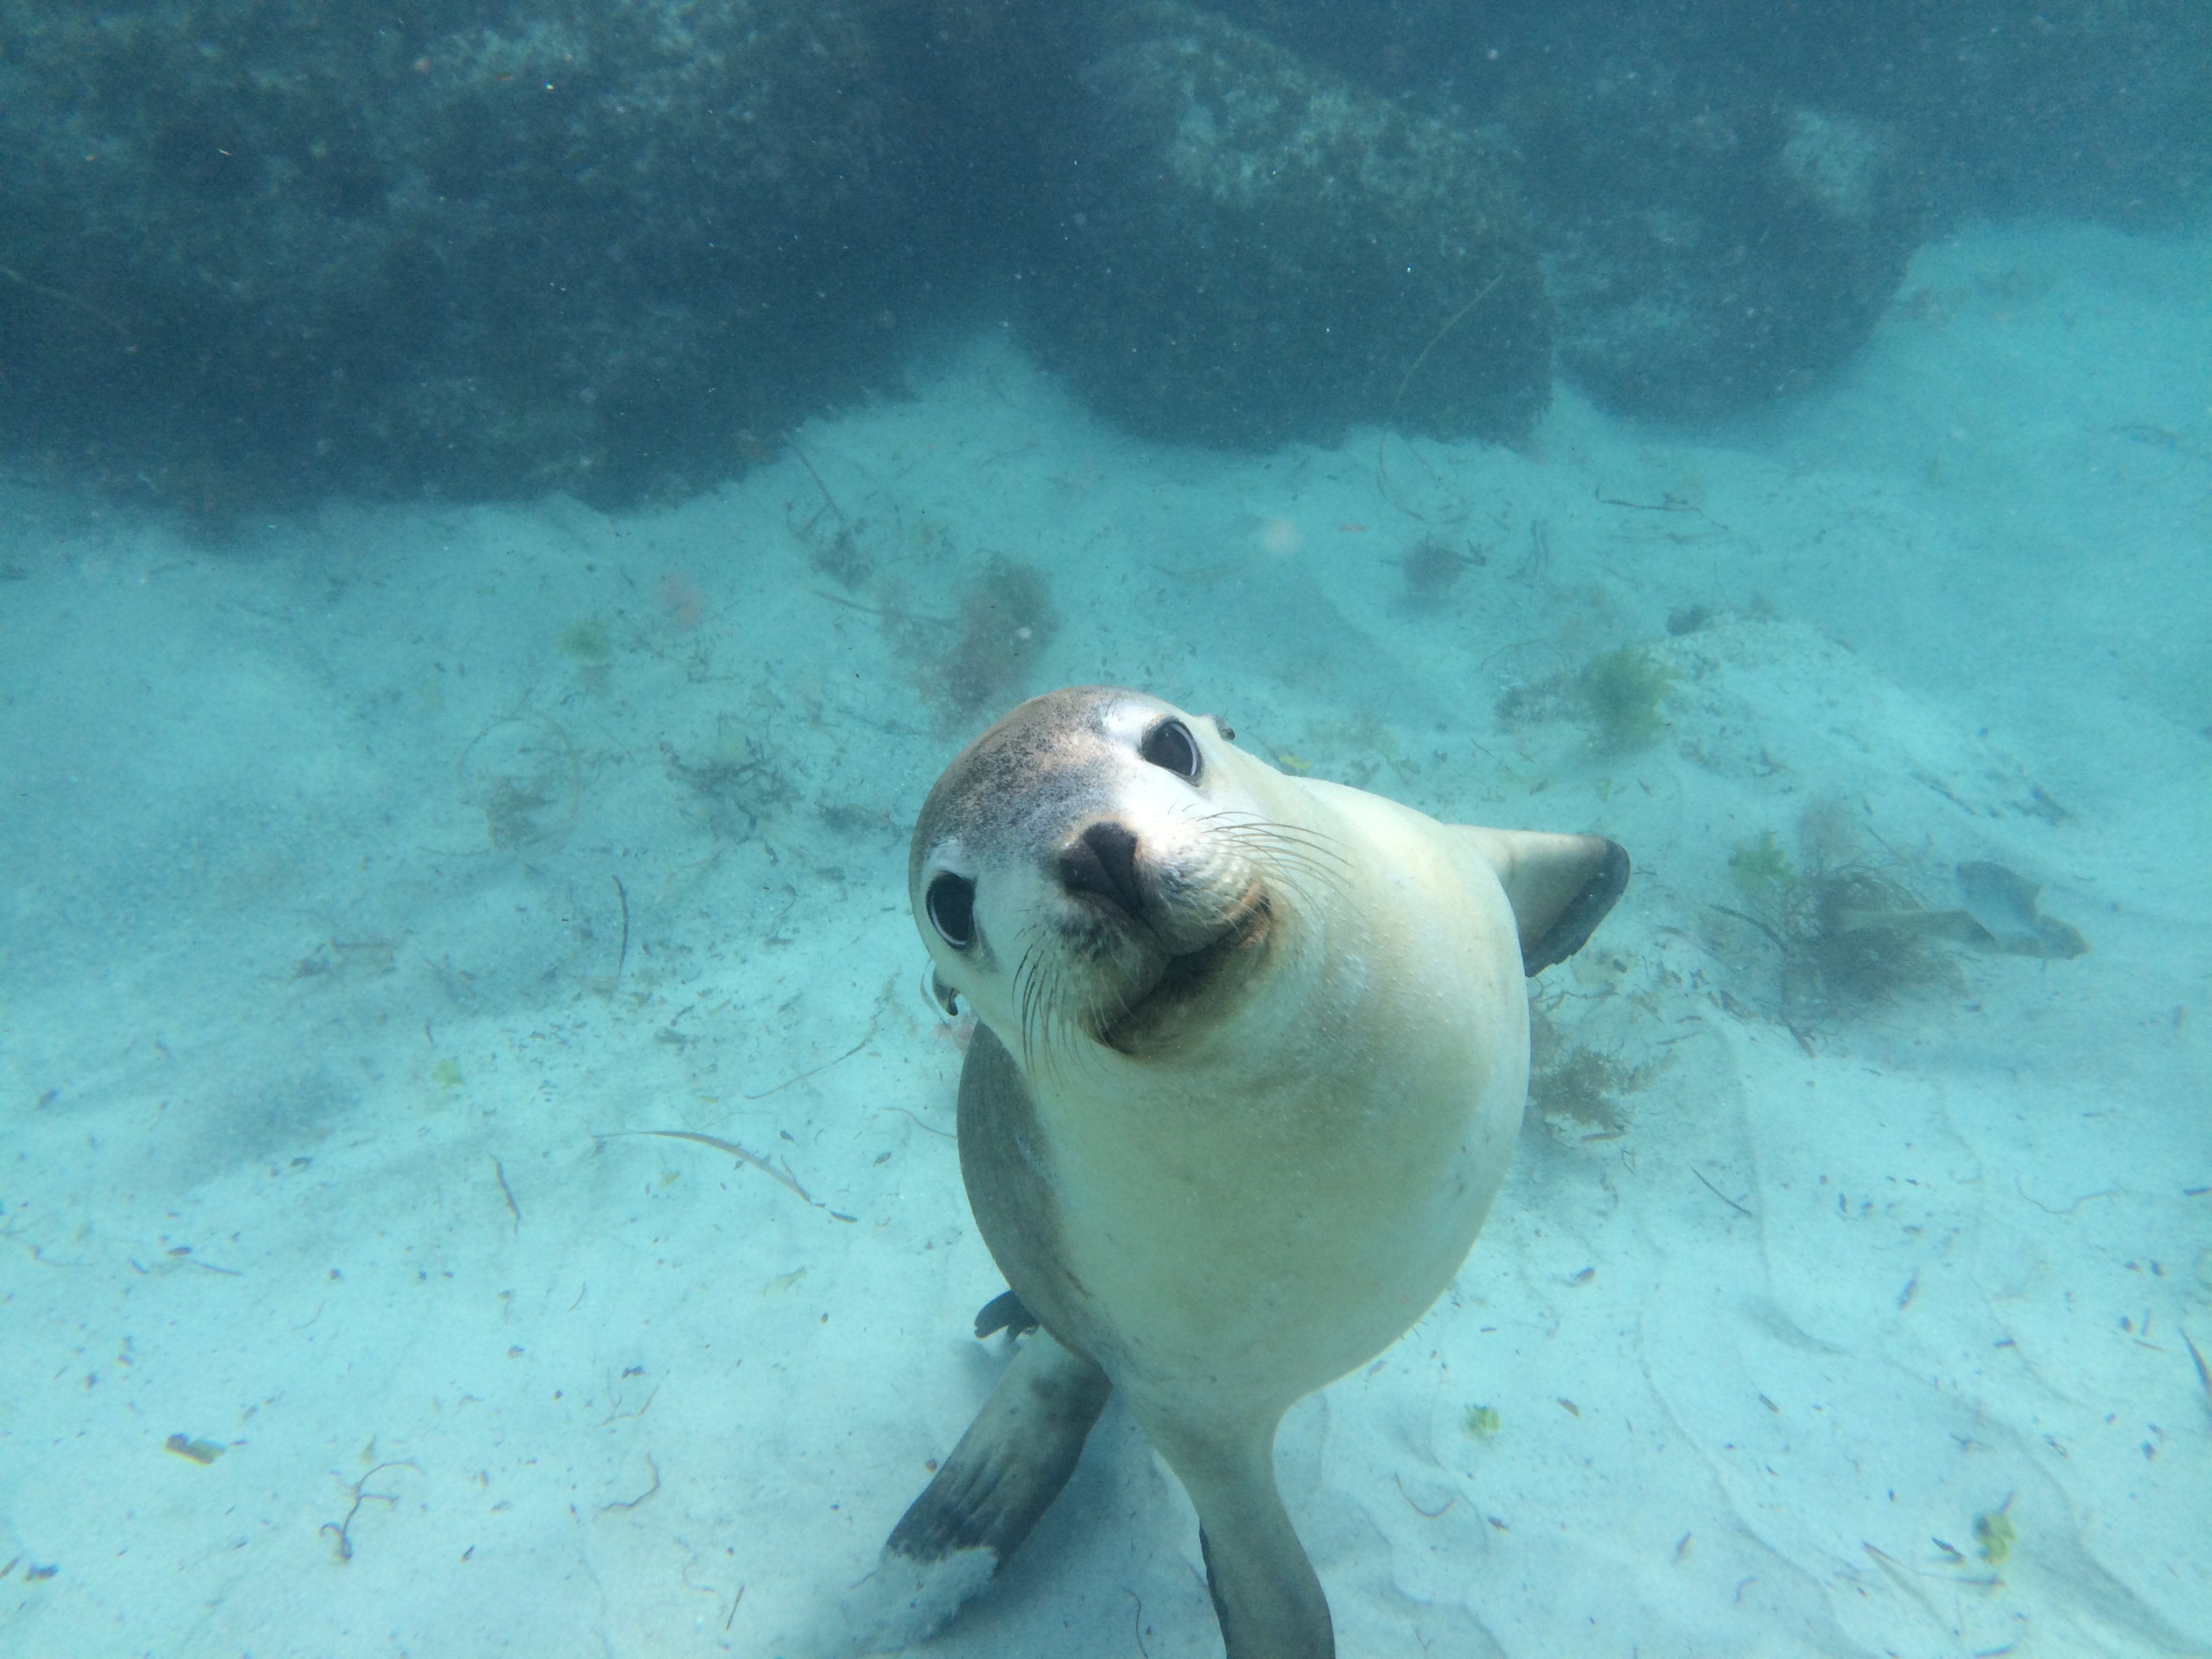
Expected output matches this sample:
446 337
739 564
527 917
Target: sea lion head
1099 868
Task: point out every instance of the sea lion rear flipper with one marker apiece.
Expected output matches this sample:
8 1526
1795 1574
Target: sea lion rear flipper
1007 1470
1265 1591
1560 887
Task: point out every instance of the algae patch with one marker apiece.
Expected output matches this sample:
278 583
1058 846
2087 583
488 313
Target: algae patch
585 643
1995 1535
1621 692
1762 870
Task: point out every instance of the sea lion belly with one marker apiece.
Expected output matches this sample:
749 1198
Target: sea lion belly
1267 1211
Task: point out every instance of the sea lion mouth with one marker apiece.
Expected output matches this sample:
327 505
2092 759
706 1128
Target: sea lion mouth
1188 979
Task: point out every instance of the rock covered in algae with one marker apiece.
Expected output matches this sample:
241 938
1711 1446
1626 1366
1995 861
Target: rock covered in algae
1252 252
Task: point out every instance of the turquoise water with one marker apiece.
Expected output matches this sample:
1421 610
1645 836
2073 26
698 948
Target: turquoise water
393 888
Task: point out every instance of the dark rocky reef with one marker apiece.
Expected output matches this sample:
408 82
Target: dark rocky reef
256 251
1706 258
1728 191
253 249
2101 109
1249 252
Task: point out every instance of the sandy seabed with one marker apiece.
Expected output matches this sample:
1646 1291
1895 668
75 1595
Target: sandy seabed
377 884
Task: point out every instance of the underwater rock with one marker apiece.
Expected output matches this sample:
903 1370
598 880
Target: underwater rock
2003 902
2000 916
480 247
1726 194
1250 251
1706 258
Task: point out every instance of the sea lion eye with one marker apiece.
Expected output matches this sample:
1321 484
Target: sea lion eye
1171 746
951 904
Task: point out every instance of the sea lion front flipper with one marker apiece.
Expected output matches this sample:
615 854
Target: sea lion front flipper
1007 1470
1006 1165
1265 1591
1004 1312
1559 886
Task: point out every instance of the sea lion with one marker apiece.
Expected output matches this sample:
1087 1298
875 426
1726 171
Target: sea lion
1250 1060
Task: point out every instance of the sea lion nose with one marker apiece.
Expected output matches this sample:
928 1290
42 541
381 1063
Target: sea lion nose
1103 861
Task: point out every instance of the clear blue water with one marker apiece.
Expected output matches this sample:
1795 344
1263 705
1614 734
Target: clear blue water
389 880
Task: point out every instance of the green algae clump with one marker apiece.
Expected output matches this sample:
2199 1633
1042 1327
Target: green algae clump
1995 1534
1620 692
585 643
1763 870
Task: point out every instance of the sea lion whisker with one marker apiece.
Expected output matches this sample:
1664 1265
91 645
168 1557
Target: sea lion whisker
1281 846
1229 816
1029 1000
1059 1042
1285 859
1051 1014
1065 1032
1312 843
1232 823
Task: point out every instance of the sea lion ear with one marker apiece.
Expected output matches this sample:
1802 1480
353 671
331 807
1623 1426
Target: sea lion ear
1559 887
